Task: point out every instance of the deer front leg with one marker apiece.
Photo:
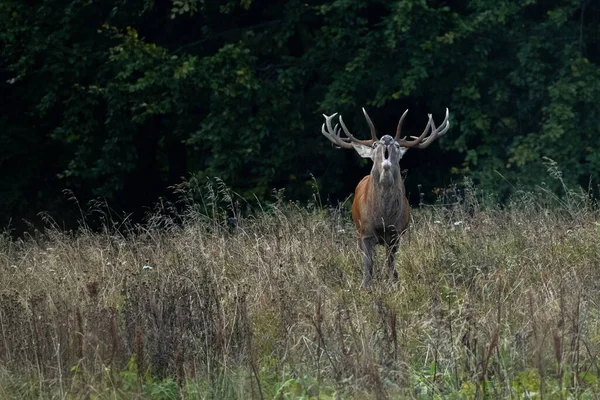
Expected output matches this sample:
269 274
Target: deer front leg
367 245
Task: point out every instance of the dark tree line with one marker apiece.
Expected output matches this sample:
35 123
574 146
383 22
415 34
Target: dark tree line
120 100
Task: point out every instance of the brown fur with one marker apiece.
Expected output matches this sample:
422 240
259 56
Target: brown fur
363 202
381 215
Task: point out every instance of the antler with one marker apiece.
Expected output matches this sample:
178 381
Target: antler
424 140
333 133
399 128
371 126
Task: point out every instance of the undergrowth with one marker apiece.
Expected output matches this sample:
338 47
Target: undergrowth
203 301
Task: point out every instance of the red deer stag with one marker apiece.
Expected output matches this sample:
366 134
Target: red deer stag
380 209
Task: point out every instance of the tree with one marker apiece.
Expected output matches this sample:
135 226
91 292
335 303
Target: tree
122 100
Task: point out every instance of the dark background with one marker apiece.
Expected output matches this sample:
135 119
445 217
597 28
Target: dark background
119 100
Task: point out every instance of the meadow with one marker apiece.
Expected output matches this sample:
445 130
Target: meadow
200 302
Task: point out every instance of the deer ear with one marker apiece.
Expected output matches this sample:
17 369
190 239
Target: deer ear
363 151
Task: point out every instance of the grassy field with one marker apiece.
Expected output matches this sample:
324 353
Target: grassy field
491 302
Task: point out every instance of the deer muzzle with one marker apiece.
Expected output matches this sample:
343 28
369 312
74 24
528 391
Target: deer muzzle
386 164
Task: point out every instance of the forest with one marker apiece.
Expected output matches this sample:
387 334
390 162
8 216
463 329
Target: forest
121 101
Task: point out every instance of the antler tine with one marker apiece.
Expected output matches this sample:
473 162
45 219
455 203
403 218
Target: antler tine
351 136
436 132
399 129
423 141
337 130
371 126
415 143
333 134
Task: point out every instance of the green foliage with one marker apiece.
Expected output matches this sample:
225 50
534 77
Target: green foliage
132 381
122 100
304 389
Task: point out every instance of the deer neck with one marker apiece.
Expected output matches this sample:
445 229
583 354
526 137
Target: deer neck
388 194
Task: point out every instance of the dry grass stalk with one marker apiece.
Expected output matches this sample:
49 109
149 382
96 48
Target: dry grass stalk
238 311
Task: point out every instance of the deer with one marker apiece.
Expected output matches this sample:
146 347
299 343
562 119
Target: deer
380 209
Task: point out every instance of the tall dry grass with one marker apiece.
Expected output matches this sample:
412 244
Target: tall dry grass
491 302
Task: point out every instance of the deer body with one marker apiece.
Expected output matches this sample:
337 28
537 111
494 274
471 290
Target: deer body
380 212
380 209
381 215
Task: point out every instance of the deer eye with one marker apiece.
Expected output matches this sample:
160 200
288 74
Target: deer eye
374 144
